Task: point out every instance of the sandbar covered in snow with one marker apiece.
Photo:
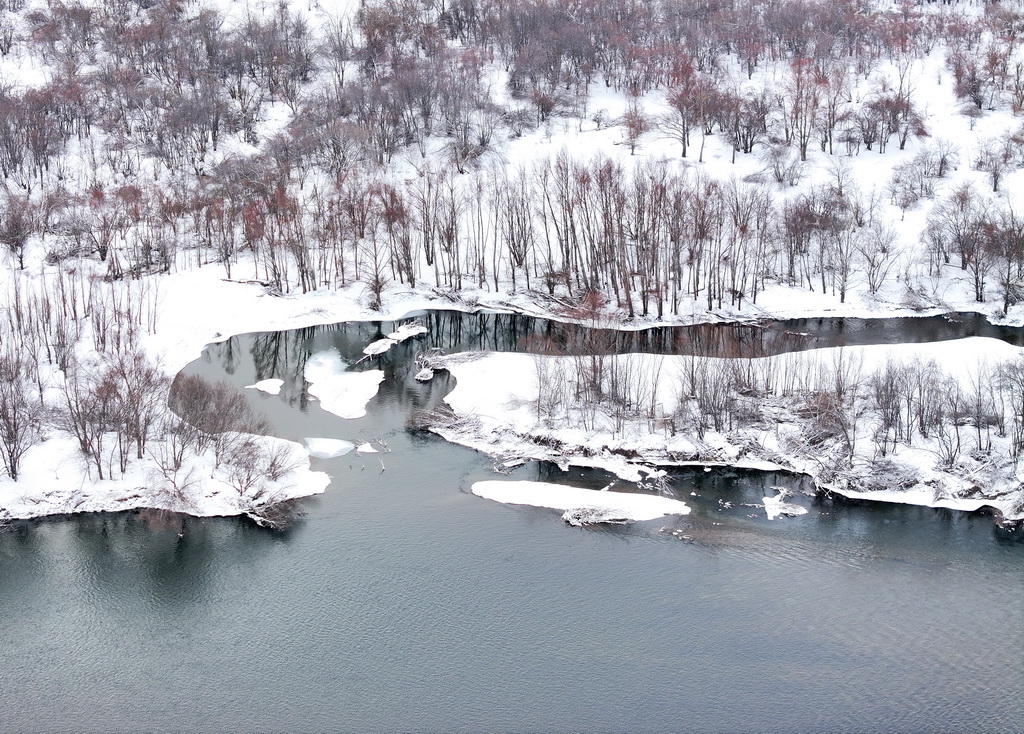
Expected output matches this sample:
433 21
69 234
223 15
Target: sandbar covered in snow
56 480
496 408
629 506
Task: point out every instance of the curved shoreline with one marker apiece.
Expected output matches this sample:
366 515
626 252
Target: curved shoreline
637 467
188 326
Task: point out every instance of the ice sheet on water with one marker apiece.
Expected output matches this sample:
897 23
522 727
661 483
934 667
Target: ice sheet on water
407 331
343 393
271 387
379 347
776 506
328 448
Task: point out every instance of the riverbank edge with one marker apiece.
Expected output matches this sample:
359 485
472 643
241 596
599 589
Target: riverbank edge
647 470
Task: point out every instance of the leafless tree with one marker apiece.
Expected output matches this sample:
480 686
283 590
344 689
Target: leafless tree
21 412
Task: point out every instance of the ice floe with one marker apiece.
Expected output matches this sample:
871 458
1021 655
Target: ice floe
581 506
776 506
343 393
378 347
328 448
407 331
271 387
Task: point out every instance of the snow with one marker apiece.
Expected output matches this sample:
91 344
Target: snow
618 505
495 401
775 506
193 307
271 387
189 310
328 448
408 331
199 306
55 480
343 393
374 349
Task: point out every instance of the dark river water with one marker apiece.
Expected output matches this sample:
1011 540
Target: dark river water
401 602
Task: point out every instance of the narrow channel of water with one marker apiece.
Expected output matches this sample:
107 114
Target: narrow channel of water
402 602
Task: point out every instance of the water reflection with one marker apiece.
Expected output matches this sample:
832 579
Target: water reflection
282 353
166 560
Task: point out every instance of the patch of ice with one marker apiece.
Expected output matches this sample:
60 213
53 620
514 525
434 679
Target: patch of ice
425 375
343 393
407 331
366 448
328 448
271 387
622 505
775 506
378 347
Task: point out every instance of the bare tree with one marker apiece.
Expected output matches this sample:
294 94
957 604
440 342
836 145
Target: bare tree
21 413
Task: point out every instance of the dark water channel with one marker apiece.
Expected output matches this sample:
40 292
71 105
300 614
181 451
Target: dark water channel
404 603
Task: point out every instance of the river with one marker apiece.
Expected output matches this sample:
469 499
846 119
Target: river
402 602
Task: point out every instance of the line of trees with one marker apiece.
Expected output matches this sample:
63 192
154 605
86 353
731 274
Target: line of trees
845 415
654 240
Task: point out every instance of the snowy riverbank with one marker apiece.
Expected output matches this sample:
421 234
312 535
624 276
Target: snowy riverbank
506 405
495 403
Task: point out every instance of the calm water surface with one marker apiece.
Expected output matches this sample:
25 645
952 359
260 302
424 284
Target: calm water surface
402 602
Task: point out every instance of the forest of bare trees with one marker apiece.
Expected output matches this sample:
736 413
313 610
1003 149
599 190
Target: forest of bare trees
148 148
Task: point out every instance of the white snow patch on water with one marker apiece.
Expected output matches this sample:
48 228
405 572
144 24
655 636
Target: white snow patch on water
407 331
378 347
271 387
343 393
328 448
776 506
620 505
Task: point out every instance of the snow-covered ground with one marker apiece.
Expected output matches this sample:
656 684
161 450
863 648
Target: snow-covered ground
496 411
55 480
190 310
495 397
